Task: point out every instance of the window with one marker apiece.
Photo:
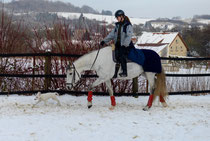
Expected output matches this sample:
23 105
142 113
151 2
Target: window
176 49
171 49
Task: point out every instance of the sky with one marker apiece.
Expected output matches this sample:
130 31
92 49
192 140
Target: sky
148 8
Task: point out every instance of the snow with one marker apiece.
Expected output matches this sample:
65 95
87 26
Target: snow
155 37
157 49
106 18
163 25
203 21
161 40
186 118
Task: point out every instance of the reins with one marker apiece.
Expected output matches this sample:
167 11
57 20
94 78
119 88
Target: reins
75 70
95 57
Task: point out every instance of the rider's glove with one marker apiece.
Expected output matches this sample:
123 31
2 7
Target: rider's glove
102 43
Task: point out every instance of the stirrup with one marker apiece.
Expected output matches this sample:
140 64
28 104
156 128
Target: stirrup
123 74
115 76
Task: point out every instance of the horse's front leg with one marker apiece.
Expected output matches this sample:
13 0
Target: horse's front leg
113 102
90 93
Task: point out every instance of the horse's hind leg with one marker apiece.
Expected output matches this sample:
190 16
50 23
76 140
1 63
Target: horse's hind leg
151 78
163 102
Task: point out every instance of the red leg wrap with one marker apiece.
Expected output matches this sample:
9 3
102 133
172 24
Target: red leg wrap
162 99
113 101
149 104
90 95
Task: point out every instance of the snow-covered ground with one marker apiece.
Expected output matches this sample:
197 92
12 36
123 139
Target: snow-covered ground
186 119
203 21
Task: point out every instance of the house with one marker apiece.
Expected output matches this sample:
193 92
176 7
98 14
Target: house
166 44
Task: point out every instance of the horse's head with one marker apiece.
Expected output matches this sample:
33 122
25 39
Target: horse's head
72 76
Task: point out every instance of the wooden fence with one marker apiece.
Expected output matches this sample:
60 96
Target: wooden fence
48 76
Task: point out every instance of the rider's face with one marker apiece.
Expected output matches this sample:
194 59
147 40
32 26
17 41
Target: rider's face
120 19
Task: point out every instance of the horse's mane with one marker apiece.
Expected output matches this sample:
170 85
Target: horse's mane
93 51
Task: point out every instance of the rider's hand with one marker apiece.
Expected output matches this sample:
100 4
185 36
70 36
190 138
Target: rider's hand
102 43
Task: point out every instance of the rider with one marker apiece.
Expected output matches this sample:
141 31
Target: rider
121 35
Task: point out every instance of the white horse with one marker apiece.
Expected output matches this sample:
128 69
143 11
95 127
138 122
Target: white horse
105 68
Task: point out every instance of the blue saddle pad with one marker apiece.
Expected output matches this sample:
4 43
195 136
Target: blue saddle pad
137 56
152 61
148 59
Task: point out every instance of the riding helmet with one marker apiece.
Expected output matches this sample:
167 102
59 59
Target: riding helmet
119 13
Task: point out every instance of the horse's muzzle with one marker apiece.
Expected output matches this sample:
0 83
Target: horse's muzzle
69 86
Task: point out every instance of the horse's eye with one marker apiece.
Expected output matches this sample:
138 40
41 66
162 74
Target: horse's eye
70 73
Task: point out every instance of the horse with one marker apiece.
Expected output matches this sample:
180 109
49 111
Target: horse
102 63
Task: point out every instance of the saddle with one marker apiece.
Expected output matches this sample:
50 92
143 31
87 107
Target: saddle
148 59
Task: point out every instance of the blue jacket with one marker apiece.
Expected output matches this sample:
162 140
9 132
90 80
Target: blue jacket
125 35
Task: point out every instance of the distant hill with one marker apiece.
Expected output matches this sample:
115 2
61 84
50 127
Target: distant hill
207 17
20 6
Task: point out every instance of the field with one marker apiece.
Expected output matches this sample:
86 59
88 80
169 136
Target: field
186 118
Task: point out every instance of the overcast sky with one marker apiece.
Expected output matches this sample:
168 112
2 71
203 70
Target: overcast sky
149 8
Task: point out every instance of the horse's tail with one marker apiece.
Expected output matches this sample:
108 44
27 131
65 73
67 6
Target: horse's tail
160 86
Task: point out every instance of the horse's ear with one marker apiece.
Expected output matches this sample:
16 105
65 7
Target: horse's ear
68 65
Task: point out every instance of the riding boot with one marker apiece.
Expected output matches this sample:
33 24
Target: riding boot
124 69
117 67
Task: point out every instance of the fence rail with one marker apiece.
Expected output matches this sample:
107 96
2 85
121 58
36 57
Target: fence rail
40 54
78 55
79 93
47 76
89 76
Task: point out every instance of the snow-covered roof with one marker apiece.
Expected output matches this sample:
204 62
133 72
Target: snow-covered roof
154 48
157 37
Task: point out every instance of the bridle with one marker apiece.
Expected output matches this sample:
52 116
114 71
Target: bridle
75 72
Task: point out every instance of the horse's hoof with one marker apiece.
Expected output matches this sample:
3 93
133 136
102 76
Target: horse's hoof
89 106
111 108
146 108
164 104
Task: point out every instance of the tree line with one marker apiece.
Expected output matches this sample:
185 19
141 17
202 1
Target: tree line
198 40
25 6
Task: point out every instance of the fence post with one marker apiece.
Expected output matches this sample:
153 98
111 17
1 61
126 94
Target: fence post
147 86
47 81
135 85
34 65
